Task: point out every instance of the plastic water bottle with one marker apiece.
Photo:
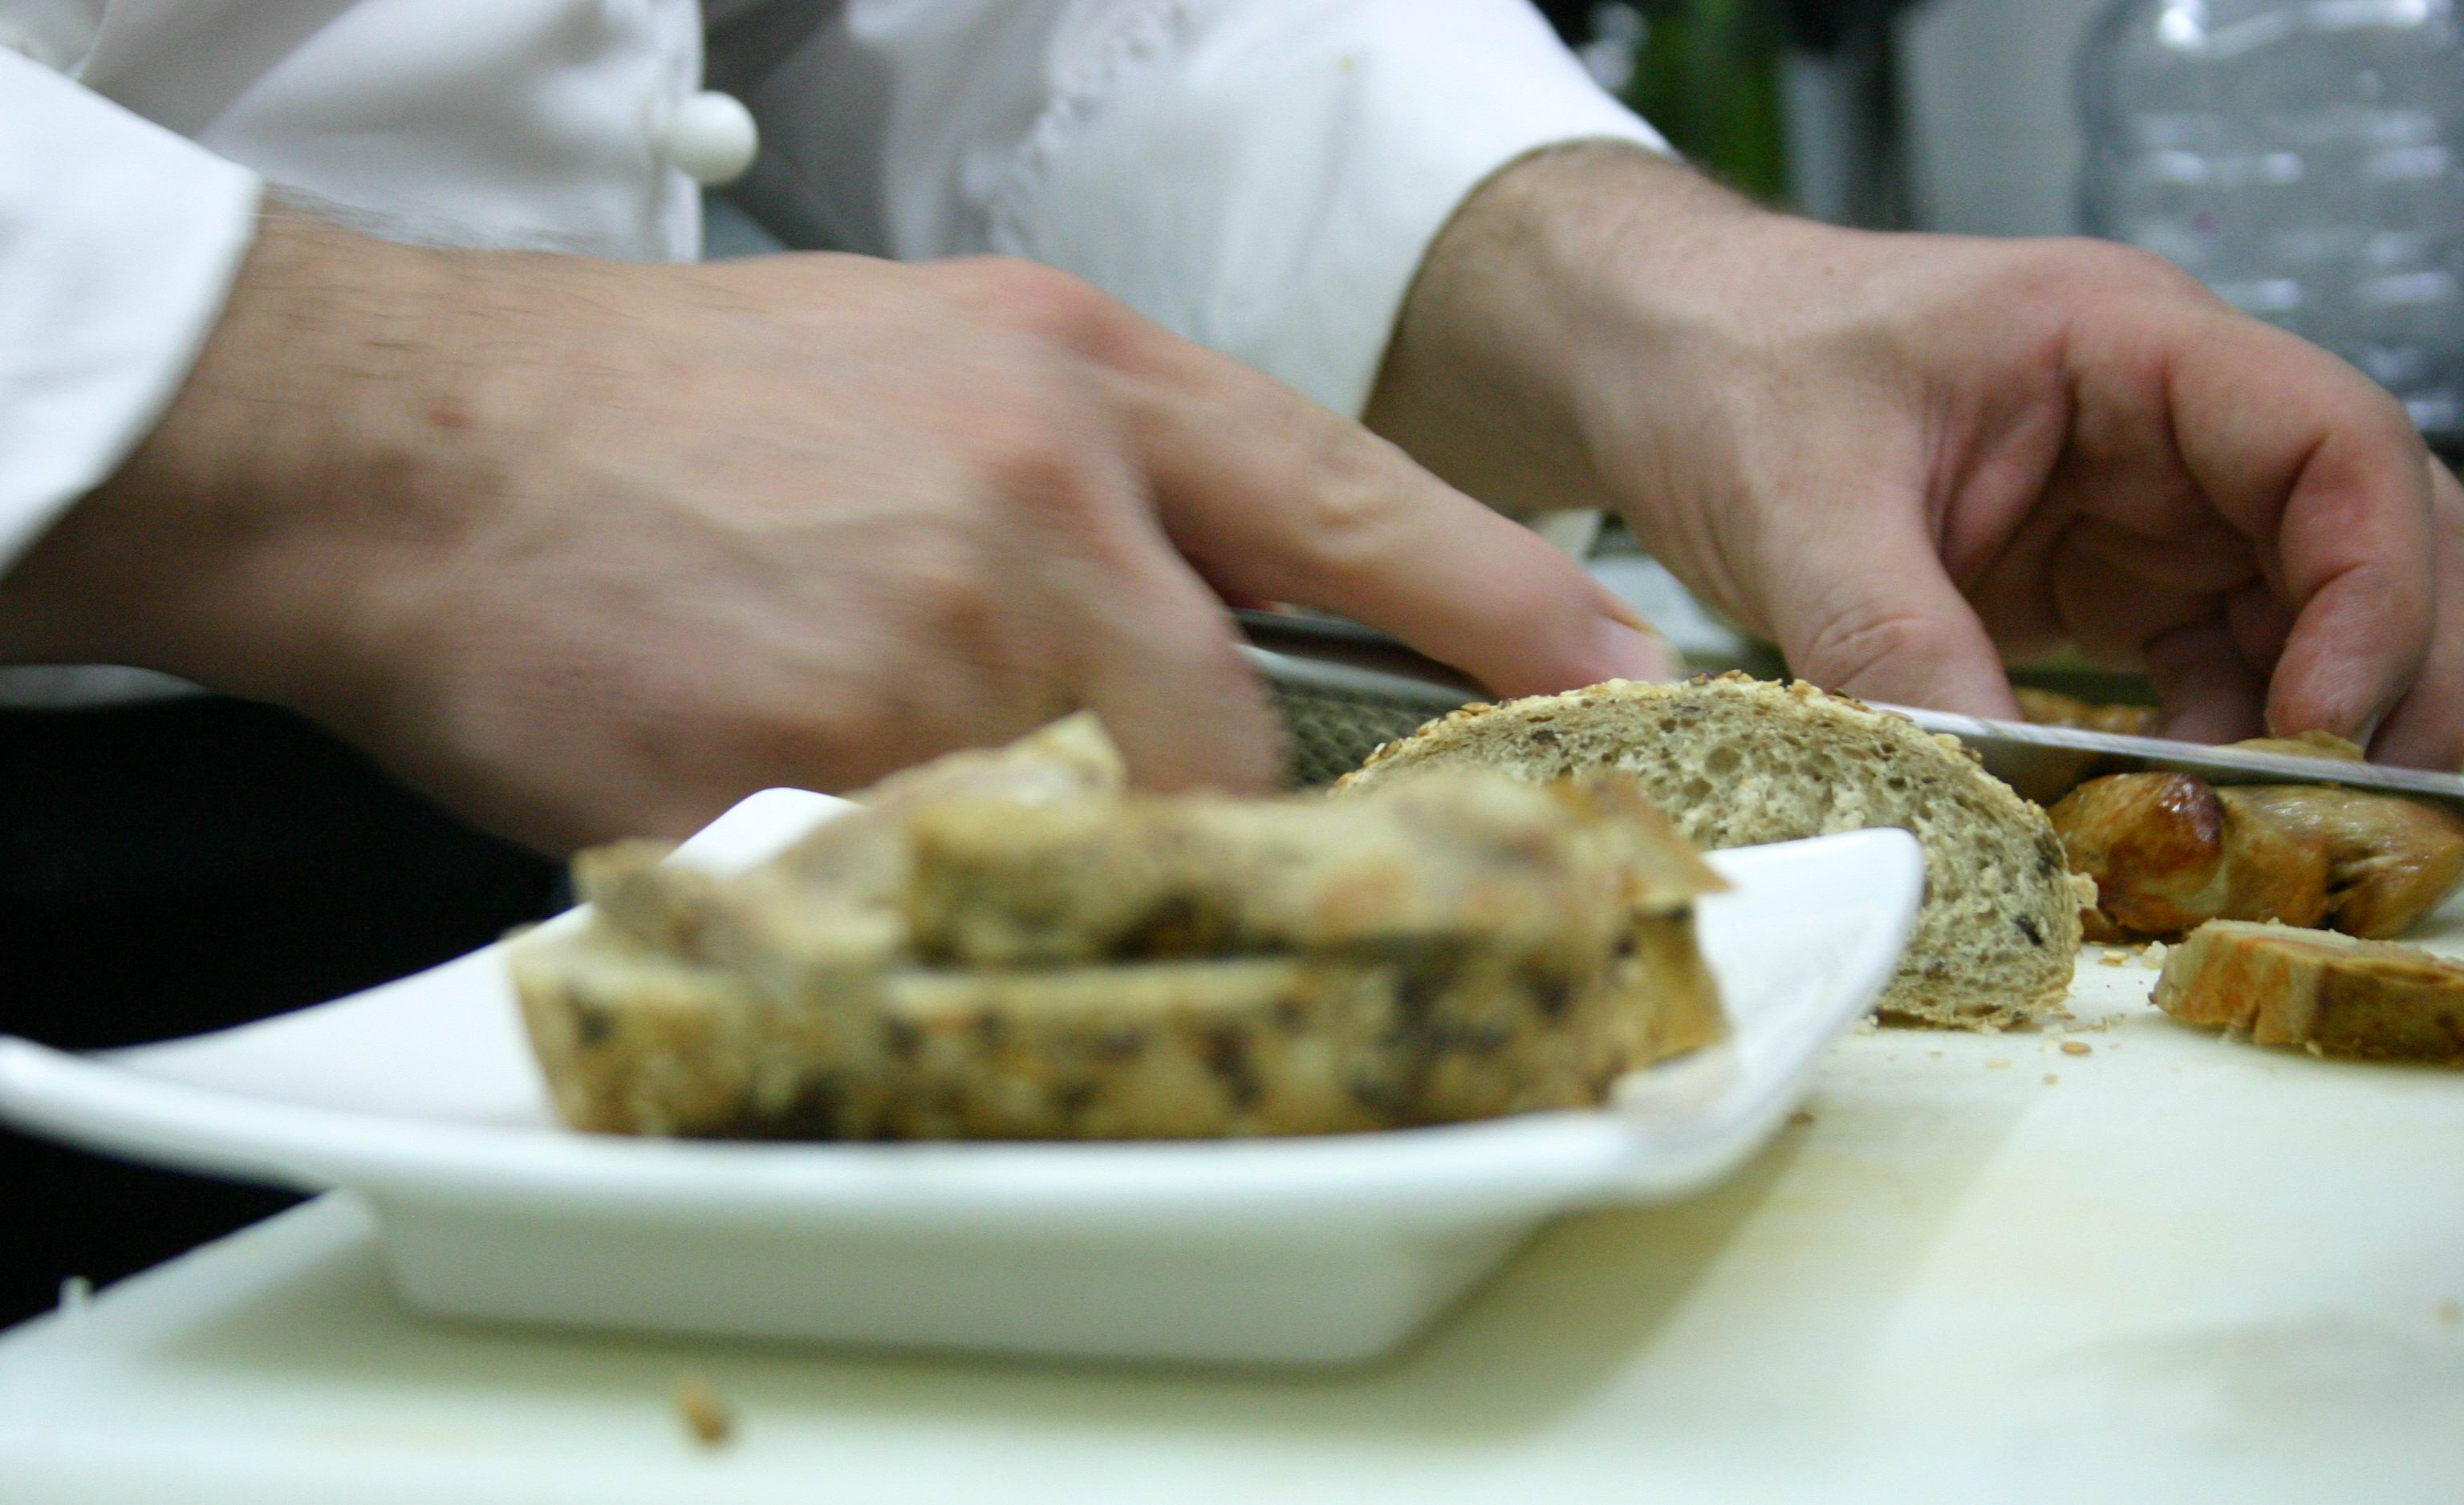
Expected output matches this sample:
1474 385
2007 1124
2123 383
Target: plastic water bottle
2306 160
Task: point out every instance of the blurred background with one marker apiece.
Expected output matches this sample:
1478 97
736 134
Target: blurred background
1949 115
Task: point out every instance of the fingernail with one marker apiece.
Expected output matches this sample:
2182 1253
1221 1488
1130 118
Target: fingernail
1639 654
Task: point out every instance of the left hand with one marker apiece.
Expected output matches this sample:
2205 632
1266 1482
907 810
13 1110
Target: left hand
1901 457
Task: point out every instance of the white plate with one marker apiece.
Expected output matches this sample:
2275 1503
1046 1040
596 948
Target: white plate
421 1098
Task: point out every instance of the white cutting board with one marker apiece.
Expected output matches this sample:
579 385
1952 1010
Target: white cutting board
2186 1270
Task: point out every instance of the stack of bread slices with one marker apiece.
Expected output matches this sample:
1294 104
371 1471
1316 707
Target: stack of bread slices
1010 946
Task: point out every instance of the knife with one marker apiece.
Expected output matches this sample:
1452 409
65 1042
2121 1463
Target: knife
1334 657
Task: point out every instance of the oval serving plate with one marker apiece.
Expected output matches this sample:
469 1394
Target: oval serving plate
421 1096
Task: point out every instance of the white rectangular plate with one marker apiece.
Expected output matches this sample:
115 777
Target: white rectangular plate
421 1098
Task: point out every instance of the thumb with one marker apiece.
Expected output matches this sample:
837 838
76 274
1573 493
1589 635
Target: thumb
1878 617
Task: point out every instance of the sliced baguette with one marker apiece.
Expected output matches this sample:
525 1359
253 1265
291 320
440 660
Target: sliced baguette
2330 993
1736 761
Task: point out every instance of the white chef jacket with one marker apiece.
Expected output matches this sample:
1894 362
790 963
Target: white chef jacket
1260 175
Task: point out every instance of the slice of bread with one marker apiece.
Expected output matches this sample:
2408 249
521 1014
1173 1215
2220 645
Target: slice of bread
635 1042
828 909
1736 761
1456 858
2332 994
987 961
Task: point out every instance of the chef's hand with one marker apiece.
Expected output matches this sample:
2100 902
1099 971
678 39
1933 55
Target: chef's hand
1902 456
588 549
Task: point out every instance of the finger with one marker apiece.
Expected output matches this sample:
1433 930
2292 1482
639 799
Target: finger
2206 558
2208 691
1873 614
2426 729
2319 468
2013 592
2261 621
2114 617
1151 652
1270 495
1161 671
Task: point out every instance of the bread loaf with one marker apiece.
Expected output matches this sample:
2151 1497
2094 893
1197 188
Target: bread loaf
1735 761
2168 851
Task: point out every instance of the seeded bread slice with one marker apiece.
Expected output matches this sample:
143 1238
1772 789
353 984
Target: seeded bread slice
2332 994
1459 856
1736 761
634 1041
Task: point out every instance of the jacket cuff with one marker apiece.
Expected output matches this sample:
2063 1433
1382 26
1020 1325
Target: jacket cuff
1296 161
119 242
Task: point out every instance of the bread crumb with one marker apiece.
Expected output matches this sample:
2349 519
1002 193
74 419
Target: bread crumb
704 1414
1869 1025
2153 957
2312 1046
2076 1048
2112 958
2051 1079
1997 1063
1800 1118
2450 1313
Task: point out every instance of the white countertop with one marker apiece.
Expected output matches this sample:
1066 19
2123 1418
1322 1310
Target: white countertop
2187 1269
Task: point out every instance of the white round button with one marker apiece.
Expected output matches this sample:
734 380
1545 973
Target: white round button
711 139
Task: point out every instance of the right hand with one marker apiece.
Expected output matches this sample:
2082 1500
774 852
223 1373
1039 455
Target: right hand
588 549
1904 457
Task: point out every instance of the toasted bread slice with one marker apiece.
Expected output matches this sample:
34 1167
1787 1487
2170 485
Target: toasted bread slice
1735 761
2330 993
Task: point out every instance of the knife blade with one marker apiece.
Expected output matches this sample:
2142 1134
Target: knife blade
1340 657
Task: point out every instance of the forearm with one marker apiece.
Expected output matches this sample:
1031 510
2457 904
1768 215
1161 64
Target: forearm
230 548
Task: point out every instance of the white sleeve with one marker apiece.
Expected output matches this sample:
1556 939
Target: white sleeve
118 244
1261 175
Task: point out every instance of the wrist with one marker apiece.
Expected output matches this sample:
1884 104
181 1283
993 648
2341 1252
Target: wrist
238 544
1574 289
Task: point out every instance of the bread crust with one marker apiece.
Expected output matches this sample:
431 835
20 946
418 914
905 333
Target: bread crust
2320 991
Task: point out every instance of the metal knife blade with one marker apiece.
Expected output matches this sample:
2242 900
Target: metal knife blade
2040 762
